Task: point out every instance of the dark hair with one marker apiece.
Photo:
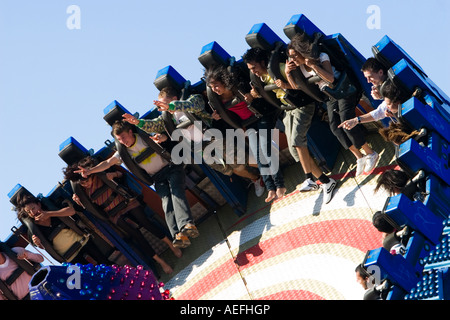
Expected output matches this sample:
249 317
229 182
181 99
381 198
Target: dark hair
221 74
381 224
303 45
362 271
22 202
169 92
87 162
373 65
257 55
397 133
392 180
120 126
392 92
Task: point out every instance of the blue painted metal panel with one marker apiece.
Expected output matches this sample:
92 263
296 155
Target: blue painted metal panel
415 215
417 157
393 267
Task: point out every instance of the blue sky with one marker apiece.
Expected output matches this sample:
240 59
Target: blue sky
55 82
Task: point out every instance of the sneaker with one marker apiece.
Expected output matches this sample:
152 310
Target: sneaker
307 185
328 190
360 165
181 241
259 187
371 162
190 230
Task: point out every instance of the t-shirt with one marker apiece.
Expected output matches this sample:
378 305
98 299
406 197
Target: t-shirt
152 164
96 184
380 113
20 286
242 110
308 74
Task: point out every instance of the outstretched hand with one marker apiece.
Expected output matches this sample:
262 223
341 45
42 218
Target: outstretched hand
162 106
130 118
159 138
348 124
84 172
215 115
281 84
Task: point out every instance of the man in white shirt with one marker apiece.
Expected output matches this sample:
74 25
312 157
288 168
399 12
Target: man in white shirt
375 74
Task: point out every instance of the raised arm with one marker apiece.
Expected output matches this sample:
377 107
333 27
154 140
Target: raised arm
22 254
149 126
64 212
290 66
102 166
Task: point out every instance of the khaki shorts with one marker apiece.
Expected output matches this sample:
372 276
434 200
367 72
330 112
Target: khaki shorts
297 123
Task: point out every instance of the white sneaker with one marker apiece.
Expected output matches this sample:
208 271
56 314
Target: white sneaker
259 187
307 185
371 161
360 165
328 190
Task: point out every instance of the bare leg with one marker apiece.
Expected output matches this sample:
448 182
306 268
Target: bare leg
242 172
280 192
367 149
176 251
271 195
356 152
307 162
166 268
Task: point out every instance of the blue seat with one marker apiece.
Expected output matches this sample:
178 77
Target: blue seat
437 197
213 54
168 76
388 53
404 212
419 115
393 268
391 54
412 82
262 36
414 157
71 151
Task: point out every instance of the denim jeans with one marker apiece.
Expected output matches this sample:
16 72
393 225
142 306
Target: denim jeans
262 148
170 186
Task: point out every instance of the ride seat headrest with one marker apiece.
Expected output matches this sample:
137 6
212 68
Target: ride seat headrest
213 54
18 192
261 36
113 112
299 23
71 151
169 77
